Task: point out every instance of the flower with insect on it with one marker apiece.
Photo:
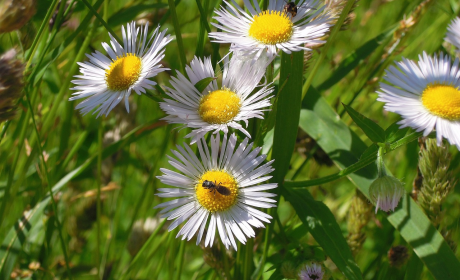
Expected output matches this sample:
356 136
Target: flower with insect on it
277 28
239 170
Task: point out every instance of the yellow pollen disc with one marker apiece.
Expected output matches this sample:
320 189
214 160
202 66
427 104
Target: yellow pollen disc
219 106
271 27
212 200
442 101
123 72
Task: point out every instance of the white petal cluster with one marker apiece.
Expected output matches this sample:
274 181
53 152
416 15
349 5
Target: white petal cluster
92 84
310 25
238 221
240 75
403 91
311 271
453 33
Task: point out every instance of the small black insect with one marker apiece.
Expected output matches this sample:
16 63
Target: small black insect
291 8
212 186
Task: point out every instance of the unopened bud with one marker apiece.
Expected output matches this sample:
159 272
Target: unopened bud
14 14
11 84
385 192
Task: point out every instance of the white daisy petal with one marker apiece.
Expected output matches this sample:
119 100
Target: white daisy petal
426 94
217 108
216 192
107 80
453 33
256 31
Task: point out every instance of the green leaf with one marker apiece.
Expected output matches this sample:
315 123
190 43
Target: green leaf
408 219
393 132
356 58
370 128
202 84
287 113
414 268
321 223
426 241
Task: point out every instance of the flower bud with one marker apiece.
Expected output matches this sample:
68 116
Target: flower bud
11 84
385 192
14 14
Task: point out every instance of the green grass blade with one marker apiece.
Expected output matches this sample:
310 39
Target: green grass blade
287 113
356 58
322 225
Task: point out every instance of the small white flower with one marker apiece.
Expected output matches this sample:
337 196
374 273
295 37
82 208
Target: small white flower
311 271
232 214
453 33
218 107
272 29
426 94
106 81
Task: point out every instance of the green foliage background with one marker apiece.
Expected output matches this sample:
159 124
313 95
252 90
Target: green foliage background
122 153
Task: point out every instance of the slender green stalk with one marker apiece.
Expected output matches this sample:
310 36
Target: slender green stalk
181 259
96 14
29 56
147 244
180 44
50 117
4 129
53 202
98 197
248 260
330 41
7 193
267 238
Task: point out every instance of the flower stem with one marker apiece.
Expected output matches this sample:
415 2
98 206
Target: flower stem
181 259
380 164
180 45
53 202
98 197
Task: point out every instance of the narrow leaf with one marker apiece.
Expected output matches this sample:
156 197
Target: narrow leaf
202 84
287 113
370 128
321 223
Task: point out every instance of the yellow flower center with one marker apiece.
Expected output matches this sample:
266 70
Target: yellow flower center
123 72
442 101
271 27
219 106
210 198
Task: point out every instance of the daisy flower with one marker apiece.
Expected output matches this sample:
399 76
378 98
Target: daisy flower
201 197
272 29
426 94
218 107
311 271
453 33
106 81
